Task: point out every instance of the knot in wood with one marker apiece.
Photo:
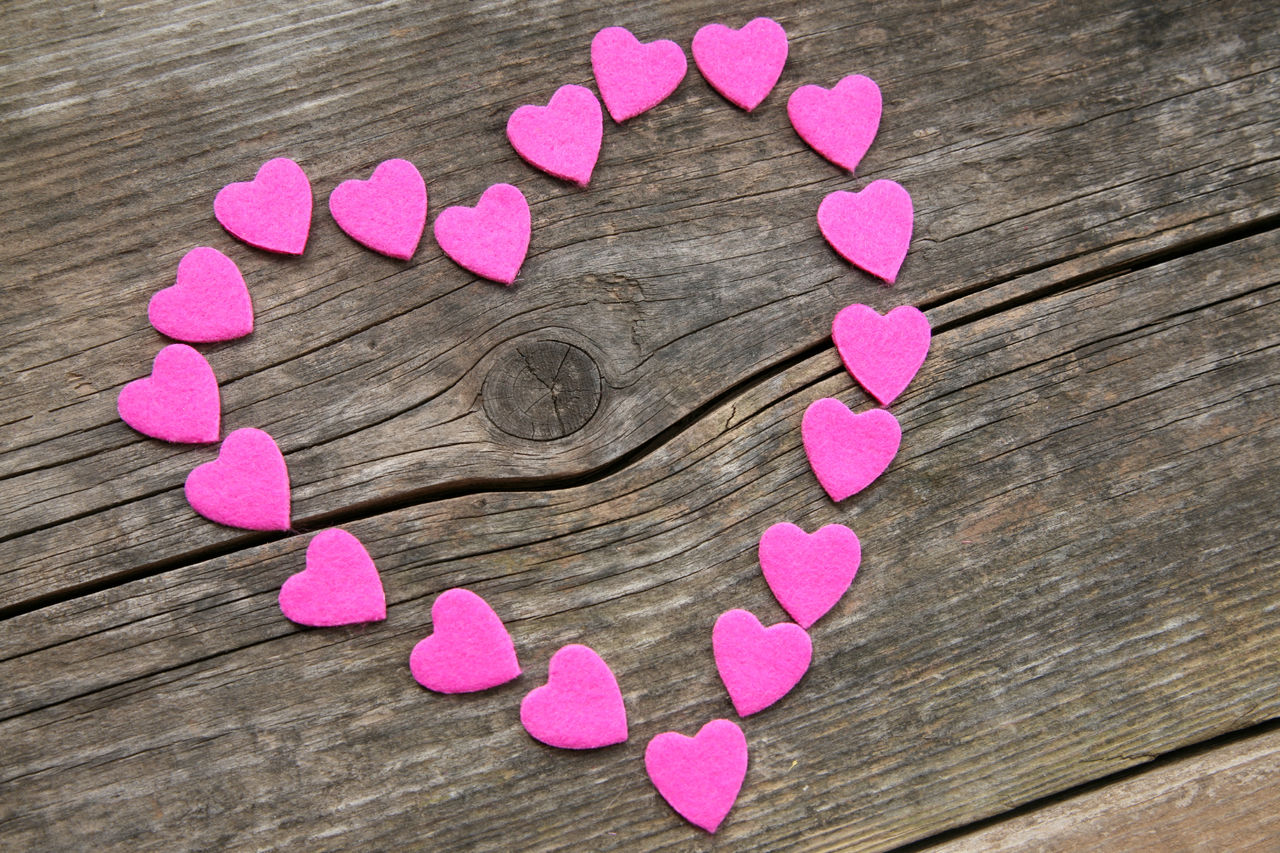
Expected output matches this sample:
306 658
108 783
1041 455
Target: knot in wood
541 389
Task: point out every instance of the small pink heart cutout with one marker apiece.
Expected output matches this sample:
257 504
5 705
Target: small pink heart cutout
209 302
562 138
470 648
883 353
808 573
339 586
273 211
387 212
758 665
699 776
580 706
870 229
838 123
178 402
634 77
490 239
743 65
247 486
846 451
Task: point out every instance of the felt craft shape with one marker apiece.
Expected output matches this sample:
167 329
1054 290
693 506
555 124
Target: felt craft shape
562 138
387 212
633 77
580 706
699 776
273 211
490 239
839 123
883 353
209 301
470 648
846 451
809 573
870 229
339 586
743 65
178 402
758 665
247 486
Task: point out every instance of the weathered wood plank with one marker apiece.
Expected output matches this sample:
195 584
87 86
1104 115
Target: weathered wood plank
1222 799
1029 137
1070 567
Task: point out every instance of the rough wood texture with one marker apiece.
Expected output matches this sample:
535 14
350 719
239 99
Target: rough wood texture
1222 799
1031 136
1069 568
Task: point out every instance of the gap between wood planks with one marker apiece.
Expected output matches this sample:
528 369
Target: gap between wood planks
947 313
1154 764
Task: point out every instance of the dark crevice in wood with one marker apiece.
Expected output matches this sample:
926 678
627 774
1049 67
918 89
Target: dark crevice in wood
404 500
367 509
1105 340
1160 256
1149 763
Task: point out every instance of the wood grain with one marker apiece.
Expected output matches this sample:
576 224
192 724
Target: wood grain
1031 136
1070 567
1222 799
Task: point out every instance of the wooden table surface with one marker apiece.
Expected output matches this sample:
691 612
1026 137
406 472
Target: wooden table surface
1064 632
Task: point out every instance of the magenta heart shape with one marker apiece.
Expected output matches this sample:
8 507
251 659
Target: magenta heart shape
273 211
490 239
247 486
743 65
387 212
838 123
470 648
758 665
208 302
846 451
808 573
883 353
634 77
562 138
870 229
339 586
178 402
580 706
699 776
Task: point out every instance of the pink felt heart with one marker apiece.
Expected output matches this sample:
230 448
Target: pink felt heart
469 650
490 239
847 451
839 123
699 776
743 65
809 572
758 665
209 302
562 138
339 586
177 402
246 486
387 212
580 706
273 211
882 352
870 229
634 77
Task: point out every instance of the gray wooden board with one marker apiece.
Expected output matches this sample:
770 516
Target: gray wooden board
1030 136
1220 799
1070 567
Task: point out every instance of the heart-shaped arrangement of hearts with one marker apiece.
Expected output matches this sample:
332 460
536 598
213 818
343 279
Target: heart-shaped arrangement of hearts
582 705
